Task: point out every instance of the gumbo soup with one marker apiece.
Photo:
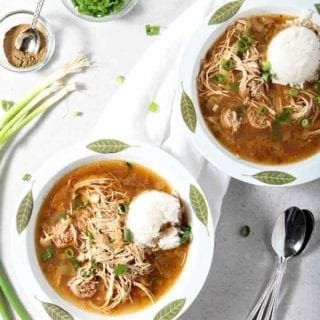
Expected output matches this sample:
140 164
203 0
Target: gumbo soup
91 237
259 94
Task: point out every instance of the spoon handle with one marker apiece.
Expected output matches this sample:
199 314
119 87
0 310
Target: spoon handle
264 298
278 287
37 14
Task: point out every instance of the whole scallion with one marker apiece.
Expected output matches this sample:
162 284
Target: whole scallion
39 100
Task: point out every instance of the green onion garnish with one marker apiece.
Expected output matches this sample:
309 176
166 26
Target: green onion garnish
69 253
227 64
127 235
153 107
62 216
186 234
317 99
124 208
262 110
120 269
218 78
305 123
152 30
6 105
47 254
75 114
265 66
293 92
242 46
120 79
266 77
26 177
234 87
75 263
245 231
90 237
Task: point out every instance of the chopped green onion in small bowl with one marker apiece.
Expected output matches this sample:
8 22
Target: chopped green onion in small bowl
100 10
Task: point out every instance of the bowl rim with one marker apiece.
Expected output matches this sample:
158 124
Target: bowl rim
291 174
51 43
124 11
26 266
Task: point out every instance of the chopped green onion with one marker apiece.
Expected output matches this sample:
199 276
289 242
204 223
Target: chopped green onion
317 99
75 263
98 8
120 269
227 64
234 87
6 105
77 203
284 116
124 208
262 110
152 30
293 92
305 123
86 273
186 234
69 253
265 66
242 46
90 237
26 177
47 254
245 231
316 87
62 216
218 78
127 235
120 79
266 77
75 114
153 107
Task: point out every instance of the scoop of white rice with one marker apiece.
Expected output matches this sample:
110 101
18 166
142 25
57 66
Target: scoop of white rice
294 54
148 212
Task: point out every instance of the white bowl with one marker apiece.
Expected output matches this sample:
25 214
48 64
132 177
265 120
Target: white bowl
200 254
276 175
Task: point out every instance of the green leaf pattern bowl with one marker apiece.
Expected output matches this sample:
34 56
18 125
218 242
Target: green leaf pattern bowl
211 29
200 255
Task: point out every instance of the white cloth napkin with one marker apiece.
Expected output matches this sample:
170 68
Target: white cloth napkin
156 78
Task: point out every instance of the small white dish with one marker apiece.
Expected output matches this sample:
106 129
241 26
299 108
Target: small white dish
276 175
200 254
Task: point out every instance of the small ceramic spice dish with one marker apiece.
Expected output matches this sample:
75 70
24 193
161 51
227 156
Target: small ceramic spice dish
21 17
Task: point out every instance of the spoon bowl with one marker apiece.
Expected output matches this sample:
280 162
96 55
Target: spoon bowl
289 233
28 40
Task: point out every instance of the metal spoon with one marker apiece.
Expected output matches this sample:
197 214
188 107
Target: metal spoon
29 40
290 237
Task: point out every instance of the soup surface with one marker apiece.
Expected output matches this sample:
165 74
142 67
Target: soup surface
71 205
255 119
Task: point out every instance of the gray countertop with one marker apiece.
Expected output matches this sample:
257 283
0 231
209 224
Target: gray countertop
241 265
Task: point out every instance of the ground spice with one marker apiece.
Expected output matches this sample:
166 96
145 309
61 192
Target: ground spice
19 58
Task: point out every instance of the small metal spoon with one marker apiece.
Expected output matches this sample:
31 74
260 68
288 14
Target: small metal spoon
290 237
28 41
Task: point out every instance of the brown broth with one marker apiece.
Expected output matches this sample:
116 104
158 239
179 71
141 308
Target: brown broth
135 179
279 144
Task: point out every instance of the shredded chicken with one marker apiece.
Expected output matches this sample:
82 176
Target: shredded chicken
94 226
230 120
